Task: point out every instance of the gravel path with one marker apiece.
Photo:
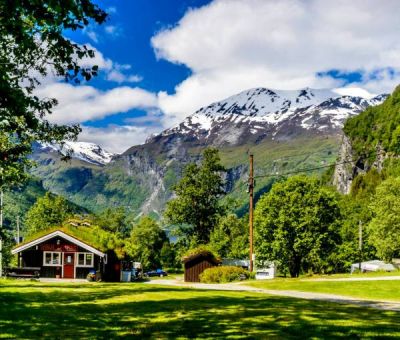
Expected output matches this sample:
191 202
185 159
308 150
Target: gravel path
383 305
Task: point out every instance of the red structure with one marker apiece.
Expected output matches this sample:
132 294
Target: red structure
60 255
195 264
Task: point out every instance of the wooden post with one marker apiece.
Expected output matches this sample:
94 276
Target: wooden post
360 244
1 229
251 193
17 229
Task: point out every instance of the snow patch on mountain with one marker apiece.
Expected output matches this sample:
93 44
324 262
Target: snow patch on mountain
88 152
264 112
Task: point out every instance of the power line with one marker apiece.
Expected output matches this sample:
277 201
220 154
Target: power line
240 185
300 154
312 169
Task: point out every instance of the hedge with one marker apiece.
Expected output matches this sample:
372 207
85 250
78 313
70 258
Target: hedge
222 274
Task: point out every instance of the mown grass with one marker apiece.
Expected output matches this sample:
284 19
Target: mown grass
385 290
106 311
356 275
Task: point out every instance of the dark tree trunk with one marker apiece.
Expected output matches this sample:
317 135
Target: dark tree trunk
294 267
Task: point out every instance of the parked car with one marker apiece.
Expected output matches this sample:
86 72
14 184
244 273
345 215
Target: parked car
158 272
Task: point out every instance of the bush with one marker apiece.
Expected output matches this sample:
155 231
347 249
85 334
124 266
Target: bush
224 274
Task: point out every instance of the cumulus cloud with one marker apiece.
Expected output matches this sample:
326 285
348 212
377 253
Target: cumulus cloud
117 139
113 71
232 45
84 103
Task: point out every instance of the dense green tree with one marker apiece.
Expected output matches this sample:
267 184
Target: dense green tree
353 211
113 220
384 228
48 211
377 125
168 256
296 225
230 237
32 45
146 242
198 206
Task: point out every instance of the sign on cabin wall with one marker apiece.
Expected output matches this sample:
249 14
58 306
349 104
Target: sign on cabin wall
59 247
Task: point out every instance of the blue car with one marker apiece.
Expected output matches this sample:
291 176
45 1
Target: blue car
158 272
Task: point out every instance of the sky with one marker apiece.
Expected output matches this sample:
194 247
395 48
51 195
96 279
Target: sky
161 60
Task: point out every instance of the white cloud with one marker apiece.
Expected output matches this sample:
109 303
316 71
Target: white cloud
354 91
113 71
117 76
113 30
84 103
90 33
104 64
117 139
232 45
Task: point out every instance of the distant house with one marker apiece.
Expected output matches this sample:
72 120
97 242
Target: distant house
60 254
196 263
266 271
245 264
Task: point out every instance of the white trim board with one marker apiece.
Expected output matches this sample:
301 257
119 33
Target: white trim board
61 234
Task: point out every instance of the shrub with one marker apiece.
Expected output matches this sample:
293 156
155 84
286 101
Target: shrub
224 274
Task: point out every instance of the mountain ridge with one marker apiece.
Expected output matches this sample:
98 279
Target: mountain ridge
261 113
141 178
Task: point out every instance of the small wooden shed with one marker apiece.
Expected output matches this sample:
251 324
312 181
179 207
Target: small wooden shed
196 263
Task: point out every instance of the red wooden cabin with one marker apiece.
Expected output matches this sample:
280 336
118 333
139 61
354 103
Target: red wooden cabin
60 255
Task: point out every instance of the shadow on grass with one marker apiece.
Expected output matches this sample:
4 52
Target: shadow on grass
114 310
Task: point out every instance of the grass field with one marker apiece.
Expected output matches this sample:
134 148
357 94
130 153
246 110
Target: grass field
62 310
372 290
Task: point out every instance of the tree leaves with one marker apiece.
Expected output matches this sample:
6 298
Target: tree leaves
32 45
198 197
295 225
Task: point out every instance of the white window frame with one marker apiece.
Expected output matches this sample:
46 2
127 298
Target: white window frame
84 261
52 254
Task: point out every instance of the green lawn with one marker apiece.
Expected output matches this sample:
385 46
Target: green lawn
62 310
373 290
348 275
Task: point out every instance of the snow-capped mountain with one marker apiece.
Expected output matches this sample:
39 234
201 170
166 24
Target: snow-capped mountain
261 113
88 152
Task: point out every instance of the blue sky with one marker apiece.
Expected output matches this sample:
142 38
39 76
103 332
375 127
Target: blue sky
125 39
161 60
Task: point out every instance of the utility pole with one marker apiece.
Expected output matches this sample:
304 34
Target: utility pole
360 243
17 229
251 193
1 230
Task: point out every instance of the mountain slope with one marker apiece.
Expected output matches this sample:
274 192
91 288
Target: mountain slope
87 152
286 130
262 113
372 140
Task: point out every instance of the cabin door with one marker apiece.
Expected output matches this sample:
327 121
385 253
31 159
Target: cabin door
69 268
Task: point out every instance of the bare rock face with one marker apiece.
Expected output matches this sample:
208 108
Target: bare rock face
348 166
344 170
141 178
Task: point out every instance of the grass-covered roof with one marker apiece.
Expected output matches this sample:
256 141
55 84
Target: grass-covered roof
85 231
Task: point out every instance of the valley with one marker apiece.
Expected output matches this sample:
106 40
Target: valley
286 131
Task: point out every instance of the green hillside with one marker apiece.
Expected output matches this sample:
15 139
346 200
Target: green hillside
376 126
373 133
90 186
19 200
276 159
119 184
